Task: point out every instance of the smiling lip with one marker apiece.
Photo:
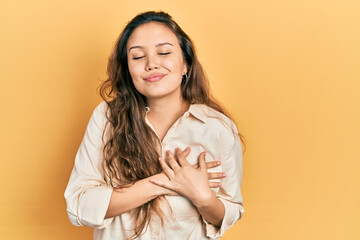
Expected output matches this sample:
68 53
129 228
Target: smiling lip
154 77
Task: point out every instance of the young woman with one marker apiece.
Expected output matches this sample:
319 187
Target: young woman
153 149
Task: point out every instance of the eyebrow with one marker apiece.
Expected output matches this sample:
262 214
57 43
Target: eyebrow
157 45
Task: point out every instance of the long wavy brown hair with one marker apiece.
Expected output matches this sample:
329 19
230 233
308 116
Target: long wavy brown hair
131 152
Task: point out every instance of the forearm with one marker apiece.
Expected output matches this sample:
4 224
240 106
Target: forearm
126 199
212 210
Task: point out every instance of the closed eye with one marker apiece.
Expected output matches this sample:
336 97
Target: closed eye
165 53
136 58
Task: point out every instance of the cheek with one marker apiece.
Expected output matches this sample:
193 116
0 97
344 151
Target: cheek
134 69
175 64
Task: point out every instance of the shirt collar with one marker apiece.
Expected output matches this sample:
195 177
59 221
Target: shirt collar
198 111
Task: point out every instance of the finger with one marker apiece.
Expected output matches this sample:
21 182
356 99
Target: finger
172 161
214 184
167 185
202 165
217 175
209 165
186 152
212 164
167 170
181 157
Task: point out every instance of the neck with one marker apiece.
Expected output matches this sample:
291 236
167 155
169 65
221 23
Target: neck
165 111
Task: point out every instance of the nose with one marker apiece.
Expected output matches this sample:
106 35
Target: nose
151 63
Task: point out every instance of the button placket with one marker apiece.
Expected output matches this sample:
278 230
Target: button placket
163 148
169 132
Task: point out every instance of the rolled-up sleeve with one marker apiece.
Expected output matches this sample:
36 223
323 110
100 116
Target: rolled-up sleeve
229 193
87 195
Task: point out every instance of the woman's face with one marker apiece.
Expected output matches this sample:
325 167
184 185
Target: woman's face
155 61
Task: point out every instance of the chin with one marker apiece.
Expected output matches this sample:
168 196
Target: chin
163 95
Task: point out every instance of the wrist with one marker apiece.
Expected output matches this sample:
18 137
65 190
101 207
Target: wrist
157 190
204 200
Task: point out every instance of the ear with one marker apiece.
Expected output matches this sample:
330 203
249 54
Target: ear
185 70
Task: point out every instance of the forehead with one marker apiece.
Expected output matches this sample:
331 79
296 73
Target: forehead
150 34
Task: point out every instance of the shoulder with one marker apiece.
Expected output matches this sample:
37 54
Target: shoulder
101 108
98 117
101 111
224 127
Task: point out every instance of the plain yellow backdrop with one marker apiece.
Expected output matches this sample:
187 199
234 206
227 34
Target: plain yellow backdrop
288 72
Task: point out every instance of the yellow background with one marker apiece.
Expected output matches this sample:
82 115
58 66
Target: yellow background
288 71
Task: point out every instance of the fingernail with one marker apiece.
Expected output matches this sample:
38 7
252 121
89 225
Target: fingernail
219 184
160 158
218 163
223 175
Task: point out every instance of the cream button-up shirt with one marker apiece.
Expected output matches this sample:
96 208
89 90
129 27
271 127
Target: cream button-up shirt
202 129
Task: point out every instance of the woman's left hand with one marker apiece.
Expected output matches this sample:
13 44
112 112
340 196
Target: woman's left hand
185 179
